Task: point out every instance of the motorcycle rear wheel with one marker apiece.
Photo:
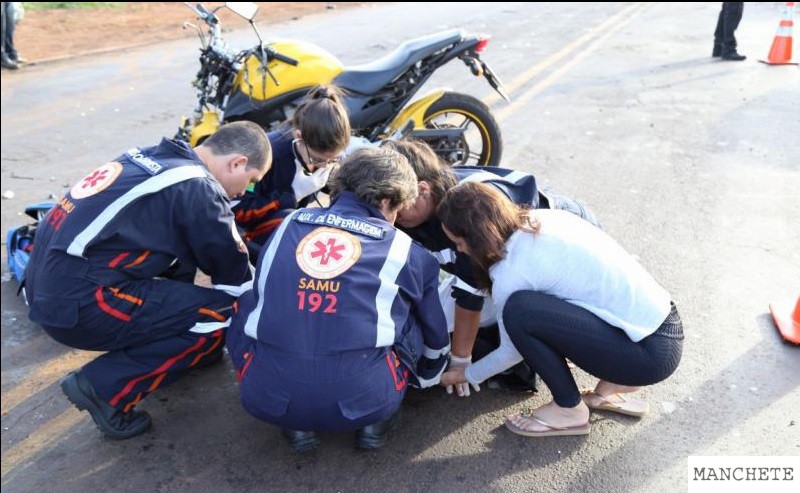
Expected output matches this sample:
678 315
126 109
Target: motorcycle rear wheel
481 143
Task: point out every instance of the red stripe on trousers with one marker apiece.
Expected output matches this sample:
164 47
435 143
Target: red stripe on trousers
101 302
248 359
119 258
393 370
161 369
218 336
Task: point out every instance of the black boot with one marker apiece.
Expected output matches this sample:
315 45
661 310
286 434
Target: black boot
111 421
717 51
374 436
301 441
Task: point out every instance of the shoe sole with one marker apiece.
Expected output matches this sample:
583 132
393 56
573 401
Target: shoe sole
75 395
576 431
613 407
305 446
371 443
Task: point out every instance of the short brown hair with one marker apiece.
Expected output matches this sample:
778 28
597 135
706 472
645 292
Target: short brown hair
374 174
245 138
426 165
322 120
485 218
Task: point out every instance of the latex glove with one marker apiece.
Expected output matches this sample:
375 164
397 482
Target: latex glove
462 387
304 183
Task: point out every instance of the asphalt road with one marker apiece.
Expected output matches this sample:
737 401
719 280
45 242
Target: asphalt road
691 163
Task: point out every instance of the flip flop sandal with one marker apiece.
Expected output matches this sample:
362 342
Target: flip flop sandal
551 430
629 407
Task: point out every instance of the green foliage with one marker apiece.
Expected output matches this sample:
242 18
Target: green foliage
70 5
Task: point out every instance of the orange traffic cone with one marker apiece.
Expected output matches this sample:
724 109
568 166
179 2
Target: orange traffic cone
789 326
781 51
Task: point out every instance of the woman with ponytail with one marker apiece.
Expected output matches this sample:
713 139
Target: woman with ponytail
304 154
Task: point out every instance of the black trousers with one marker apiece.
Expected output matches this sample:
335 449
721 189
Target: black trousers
546 330
8 31
728 21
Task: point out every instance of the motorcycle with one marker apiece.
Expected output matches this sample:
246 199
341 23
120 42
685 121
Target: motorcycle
266 83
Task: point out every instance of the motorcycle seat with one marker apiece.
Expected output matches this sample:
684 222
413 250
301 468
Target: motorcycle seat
370 77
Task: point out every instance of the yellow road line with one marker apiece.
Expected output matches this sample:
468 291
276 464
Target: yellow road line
44 437
43 376
543 65
522 100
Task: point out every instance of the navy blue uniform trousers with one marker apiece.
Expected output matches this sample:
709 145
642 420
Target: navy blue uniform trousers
145 327
338 392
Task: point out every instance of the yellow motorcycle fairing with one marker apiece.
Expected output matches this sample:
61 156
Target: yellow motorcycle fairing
208 124
315 66
414 112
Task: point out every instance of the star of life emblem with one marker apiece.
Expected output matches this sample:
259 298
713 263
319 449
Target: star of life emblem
96 181
327 252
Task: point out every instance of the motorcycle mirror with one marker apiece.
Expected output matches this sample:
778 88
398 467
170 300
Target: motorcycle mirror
245 9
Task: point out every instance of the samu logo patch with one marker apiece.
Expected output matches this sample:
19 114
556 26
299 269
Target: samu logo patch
327 252
96 181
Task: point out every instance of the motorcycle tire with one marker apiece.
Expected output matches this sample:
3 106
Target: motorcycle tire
454 109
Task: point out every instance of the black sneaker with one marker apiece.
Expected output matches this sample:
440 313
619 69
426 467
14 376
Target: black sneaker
733 56
519 378
512 383
301 441
374 436
111 421
8 63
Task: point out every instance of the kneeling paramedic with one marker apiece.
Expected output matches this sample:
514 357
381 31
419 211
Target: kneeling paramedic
114 262
344 313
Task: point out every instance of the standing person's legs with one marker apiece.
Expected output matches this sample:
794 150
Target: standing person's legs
732 14
8 51
719 33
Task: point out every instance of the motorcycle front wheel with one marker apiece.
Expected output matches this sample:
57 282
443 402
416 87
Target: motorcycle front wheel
479 145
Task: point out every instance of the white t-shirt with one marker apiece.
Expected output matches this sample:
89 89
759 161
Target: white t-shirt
579 263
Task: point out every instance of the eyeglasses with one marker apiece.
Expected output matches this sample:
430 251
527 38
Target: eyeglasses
318 162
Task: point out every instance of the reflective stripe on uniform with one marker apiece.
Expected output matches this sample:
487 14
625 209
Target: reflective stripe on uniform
234 290
460 284
251 326
206 327
480 176
147 187
445 256
387 292
435 353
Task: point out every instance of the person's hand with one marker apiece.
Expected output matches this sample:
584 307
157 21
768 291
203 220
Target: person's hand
304 183
459 365
453 377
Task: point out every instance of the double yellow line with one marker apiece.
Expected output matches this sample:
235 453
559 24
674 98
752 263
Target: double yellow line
584 44
57 428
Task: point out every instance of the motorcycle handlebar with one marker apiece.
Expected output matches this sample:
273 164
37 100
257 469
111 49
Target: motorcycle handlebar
202 12
285 59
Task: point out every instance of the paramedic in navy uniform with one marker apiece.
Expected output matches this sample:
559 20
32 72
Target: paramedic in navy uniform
114 261
344 313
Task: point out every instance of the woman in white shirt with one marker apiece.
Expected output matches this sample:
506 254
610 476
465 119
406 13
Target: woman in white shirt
566 290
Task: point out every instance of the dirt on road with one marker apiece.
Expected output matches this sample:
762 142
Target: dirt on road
48 34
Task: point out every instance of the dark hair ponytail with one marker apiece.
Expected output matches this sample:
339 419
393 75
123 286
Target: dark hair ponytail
322 120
